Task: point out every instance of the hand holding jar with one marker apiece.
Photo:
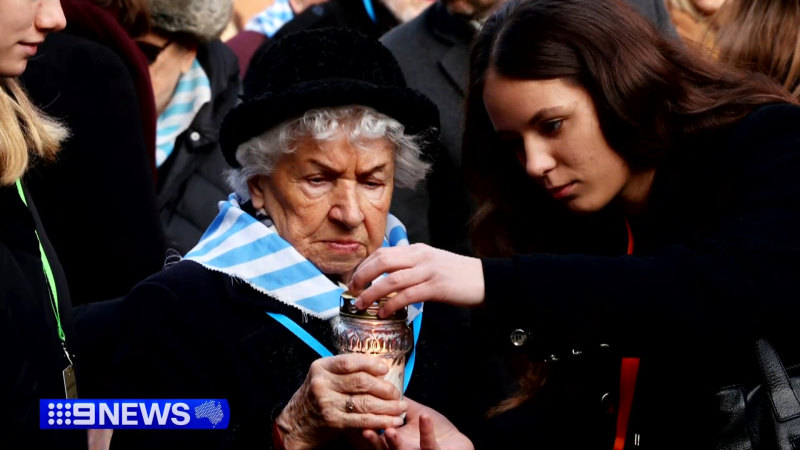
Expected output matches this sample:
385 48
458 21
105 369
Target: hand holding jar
340 392
387 339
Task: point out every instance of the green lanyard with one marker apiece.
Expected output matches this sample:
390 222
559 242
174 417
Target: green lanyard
48 273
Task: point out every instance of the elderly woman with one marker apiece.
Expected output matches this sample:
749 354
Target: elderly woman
315 155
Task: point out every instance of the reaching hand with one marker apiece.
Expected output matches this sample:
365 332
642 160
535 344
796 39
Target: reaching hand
418 273
340 392
425 429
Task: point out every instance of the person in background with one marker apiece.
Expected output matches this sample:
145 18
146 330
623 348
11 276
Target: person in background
263 26
636 229
93 78
691 19
36 333
314 158
370 17
740 30
195 81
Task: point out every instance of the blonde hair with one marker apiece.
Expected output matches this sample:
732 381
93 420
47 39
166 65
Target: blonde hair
692 25
24 131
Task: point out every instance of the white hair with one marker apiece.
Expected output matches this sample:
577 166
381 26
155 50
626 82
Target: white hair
363 125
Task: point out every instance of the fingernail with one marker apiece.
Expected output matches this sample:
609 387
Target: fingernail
359 303
403 405
397 421
382 313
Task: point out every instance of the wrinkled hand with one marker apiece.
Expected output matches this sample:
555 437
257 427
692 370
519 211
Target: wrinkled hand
99 439
317 412
418 273
425 429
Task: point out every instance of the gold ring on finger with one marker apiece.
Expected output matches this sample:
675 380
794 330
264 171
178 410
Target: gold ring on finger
350 405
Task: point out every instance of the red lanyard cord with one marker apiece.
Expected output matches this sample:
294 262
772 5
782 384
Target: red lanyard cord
630 237
627 384
627 379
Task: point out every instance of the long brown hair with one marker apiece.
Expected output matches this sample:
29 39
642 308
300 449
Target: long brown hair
649 92
762 36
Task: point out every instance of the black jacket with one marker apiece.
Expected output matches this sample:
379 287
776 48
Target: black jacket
33 357
201 335
342 14
189 332
716 263
192 180
98 200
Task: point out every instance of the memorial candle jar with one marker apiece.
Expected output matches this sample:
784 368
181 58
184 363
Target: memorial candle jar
362 331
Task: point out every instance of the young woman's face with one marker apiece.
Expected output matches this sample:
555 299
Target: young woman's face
23 26
553 128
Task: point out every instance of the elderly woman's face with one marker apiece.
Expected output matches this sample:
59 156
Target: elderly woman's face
329 200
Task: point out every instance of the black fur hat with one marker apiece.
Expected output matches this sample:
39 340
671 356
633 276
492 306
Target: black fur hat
323 68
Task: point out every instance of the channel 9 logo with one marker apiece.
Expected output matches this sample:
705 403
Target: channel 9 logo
189 414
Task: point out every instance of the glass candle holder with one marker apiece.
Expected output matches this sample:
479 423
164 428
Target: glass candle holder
362 331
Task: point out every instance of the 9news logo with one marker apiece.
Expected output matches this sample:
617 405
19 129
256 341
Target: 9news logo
189 414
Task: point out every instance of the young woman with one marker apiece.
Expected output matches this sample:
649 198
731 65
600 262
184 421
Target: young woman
637 224
35 322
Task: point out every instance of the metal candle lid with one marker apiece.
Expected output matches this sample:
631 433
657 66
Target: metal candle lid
347 307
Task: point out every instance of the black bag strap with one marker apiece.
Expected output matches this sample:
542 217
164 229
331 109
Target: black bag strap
784 399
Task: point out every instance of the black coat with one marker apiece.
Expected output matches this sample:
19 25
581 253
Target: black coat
189 332
33 357
716 263
98 200
192 180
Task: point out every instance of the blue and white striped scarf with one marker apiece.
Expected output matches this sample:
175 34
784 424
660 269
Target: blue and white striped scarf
241 246
271 19
192 92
